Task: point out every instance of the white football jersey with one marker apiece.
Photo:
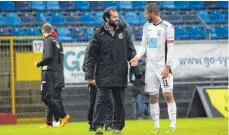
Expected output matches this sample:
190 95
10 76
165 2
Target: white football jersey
154 43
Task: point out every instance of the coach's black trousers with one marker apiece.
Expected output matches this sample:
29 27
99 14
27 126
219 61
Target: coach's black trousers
100 107
47 91
109 106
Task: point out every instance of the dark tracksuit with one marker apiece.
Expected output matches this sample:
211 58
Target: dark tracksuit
109 104
110 53
92 95
52 66
58 89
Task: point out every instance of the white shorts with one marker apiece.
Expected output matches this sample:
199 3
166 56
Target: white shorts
154 80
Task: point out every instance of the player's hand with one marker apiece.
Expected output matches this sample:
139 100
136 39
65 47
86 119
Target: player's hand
36 63
93 82
134 61
165 72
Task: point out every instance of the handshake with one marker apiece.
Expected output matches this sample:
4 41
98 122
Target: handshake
134 61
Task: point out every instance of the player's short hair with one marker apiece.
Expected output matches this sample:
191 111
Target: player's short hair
47 28
106 13
152 8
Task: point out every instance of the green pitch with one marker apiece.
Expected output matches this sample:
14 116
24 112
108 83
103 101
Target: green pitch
200 126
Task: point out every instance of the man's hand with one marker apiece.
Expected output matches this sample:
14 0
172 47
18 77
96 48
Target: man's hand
134 61
90 81
165 72
36 63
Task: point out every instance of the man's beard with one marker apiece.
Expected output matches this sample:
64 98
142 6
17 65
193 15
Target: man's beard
113 24
150 20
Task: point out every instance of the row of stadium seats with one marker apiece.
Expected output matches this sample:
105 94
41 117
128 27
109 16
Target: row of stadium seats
99 5
84 34
69 18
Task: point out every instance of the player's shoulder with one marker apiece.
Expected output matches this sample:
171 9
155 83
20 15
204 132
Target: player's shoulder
146 24
98 29
168 24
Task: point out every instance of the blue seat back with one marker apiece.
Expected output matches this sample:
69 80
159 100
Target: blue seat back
114 4
81 5
38 5
13 19
139 5
57 18
132 17
125 5
7 6
17 32
87 18
33 32
53 5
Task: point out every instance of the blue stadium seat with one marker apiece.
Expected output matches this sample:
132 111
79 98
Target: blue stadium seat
142 18
98 18
139 5
204 15
181 32
125 5
17 32
225 16
37 5
114 4
67 5
89 32
33 32
196 4
87 18
4 32
2 20
22 5
38 18
137 32
190 18
79 34
28 19
64 34
52 5
81 5
222 31
13 19
216 16
168 5
132 17
7 6
213 34
196 32
181 4
57 19
96 5
72 18
222 4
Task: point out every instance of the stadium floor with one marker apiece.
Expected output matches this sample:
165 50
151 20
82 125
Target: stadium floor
190 126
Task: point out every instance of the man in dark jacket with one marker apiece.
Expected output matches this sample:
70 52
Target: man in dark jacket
110 49
92 88
51 63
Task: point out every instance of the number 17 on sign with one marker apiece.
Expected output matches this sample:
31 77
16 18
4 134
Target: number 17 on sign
37 46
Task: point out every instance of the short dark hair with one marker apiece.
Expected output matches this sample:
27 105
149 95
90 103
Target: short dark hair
152 8
106 13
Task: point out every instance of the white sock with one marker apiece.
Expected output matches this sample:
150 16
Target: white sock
172 111
155 113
